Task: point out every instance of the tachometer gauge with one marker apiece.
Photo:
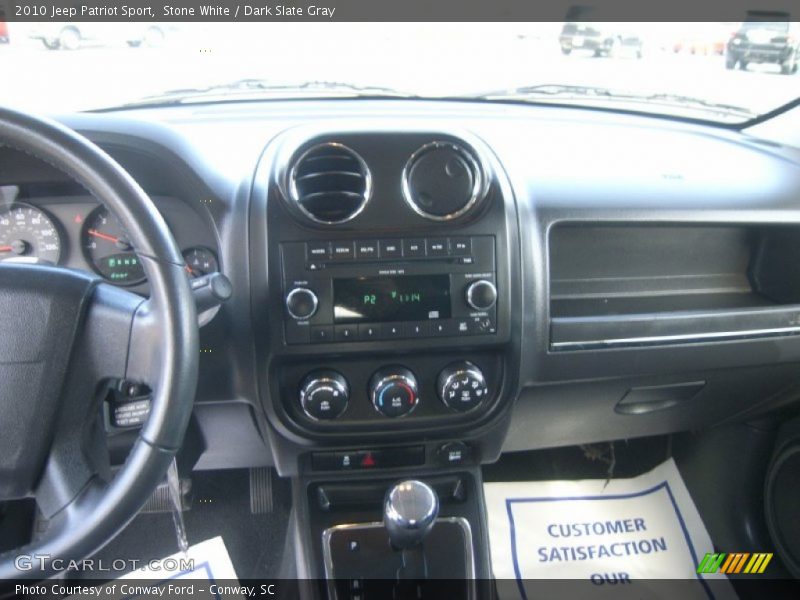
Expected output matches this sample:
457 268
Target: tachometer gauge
200 261
27 232
108 249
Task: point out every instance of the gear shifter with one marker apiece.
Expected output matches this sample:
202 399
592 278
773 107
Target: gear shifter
411 547
409 512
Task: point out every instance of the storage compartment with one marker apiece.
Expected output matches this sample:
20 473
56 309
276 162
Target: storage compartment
621 285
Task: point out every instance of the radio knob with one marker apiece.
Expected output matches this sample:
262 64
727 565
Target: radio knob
481 294
324 394
393 391
462 386
301 303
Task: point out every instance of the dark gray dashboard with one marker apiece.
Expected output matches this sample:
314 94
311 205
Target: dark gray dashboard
580 185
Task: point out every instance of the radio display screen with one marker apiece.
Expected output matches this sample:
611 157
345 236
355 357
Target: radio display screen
399 298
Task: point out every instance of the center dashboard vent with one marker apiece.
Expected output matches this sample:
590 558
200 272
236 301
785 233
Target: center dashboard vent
330 183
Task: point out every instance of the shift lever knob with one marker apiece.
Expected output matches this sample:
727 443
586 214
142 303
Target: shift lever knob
409 512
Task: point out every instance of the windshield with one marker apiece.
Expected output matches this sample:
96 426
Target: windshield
726 72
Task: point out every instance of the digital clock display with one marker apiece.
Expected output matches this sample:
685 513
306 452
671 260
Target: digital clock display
401 298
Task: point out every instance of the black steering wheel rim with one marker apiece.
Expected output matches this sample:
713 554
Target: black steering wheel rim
165 333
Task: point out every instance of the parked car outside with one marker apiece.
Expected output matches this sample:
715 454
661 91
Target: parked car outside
72 36
601 39
776 42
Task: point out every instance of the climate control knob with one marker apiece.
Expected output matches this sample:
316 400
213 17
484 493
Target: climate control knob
481 294
324 394
462 386
393 391
301 303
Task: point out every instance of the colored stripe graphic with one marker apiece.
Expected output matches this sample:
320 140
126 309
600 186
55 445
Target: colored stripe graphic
727 566
735 562
711 563
740 563
763 566
701 568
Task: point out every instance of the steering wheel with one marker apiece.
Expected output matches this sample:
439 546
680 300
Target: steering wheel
64 334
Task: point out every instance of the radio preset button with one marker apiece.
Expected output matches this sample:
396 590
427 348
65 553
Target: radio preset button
346 333
414 248
460 246
366 250
322 334
438 247
369 332
417 329
391 248
342 250
439 328
318 251
392 330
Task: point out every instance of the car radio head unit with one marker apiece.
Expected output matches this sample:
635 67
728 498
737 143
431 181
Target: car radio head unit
367 290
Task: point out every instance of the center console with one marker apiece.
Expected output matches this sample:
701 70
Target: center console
384 271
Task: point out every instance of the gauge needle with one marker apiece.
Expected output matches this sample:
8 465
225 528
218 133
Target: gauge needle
102 236
6 248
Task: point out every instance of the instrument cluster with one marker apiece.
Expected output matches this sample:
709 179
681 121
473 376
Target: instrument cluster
79 233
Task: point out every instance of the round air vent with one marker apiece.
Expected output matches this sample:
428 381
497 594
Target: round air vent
442 181
330 183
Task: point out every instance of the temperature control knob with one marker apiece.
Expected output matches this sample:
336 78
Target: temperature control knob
393 391
324 394
301 303
481 294
462 386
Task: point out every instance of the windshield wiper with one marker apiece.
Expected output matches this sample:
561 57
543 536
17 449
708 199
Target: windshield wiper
558 92
261 88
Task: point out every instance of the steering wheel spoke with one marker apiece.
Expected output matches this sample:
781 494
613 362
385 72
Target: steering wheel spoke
100 359
108 332
124 338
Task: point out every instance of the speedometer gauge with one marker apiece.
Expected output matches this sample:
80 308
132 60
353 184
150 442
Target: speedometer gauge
108 249
27 232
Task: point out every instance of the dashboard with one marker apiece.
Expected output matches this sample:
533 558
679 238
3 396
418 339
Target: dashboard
426 283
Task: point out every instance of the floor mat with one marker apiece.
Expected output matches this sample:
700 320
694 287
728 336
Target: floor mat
612 539
205 570
221 507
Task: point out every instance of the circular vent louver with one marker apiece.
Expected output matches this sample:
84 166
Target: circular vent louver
330 183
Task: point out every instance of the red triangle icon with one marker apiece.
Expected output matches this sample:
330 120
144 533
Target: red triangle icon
368 461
